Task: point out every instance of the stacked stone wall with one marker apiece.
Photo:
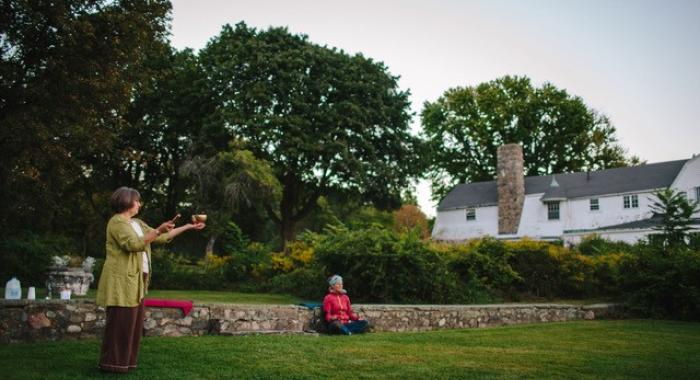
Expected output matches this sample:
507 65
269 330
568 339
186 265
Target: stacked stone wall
41 320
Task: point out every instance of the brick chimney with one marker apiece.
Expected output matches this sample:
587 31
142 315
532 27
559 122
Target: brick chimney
511 188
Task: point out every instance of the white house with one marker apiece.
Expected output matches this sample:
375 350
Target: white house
612 203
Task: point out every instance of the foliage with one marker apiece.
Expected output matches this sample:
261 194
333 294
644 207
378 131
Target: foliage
172 271
233 240
593 245
607 274
549 270
675 212
410 216
224 182
484 265
303 282
663 282
381 266
27 256
252 264
558 132
165 126
67 74
323 119
298 254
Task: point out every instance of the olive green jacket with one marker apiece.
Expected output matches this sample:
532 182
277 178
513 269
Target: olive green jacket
121 282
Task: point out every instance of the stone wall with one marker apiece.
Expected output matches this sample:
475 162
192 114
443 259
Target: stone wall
38 320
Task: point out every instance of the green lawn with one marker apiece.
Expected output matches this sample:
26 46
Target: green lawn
211 296
636 349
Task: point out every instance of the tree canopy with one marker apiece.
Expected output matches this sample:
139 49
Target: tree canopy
323 119
67 75
559 133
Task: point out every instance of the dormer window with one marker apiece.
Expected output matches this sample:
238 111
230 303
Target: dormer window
471 214
553 210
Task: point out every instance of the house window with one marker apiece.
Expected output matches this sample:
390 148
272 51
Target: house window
630 201
553 210
595 206
471 214
697 194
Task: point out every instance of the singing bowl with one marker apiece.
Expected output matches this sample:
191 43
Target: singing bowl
199 218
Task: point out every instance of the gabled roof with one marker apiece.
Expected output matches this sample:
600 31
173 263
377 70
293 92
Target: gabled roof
573 185
554 192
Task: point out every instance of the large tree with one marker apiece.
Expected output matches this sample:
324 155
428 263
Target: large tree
323 119
67 74
164 128
558 132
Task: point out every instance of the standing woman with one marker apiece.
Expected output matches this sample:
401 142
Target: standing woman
125 277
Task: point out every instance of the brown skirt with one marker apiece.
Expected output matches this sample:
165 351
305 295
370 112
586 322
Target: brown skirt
122 338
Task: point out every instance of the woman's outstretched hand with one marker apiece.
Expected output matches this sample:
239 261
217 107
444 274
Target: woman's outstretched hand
166 227
198 225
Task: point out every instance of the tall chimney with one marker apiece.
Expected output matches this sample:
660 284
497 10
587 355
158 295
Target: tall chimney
511 188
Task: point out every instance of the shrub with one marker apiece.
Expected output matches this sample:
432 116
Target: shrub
232 240
27 256
308 283
549 270
663 284
482 265
606 278
298 254
593 245
168 270
251 264
379 265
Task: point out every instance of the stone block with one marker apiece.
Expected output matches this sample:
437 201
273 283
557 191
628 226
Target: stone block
38 321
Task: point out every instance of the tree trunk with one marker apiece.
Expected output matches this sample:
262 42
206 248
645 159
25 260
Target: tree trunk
286 232
210 245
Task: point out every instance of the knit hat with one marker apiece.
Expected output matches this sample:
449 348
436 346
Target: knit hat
334 280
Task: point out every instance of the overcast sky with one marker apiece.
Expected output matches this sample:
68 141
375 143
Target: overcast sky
636 61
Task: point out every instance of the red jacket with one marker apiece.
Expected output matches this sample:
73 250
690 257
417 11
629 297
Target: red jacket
337 306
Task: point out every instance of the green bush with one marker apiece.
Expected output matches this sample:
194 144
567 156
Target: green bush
483 266
663 284
27 256
606 277
594 245
252 264
307 283
173 271
379 265
232 240
549 270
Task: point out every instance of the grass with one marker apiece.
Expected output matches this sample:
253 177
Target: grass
211 296
632 349
198 296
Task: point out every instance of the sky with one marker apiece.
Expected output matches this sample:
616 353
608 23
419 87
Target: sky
636 61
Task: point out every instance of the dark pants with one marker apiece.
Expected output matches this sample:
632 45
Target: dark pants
122 338
352 327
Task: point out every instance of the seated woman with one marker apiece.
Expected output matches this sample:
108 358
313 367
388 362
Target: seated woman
339 315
